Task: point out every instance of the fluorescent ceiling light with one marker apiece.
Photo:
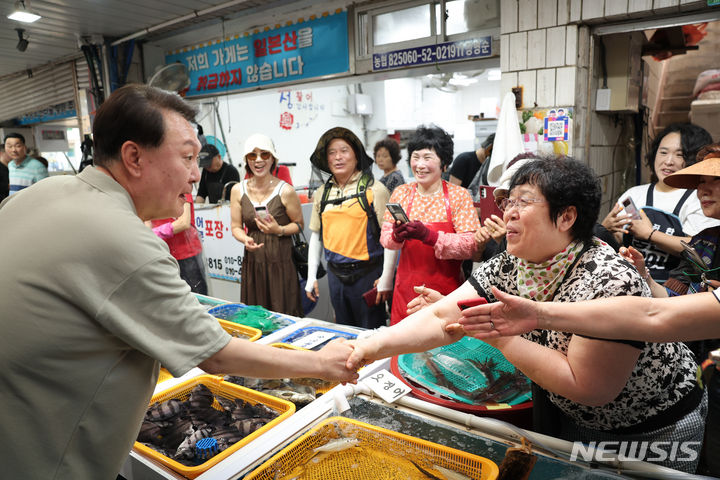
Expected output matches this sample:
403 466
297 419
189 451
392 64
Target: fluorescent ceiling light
21 14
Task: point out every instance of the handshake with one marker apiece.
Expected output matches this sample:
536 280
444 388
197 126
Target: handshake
339 360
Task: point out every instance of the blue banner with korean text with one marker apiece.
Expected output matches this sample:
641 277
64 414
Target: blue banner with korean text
436 53
307 49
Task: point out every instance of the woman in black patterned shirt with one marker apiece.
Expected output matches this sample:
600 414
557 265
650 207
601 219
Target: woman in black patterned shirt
585 389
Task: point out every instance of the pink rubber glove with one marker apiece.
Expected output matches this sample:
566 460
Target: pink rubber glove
164 231
419 231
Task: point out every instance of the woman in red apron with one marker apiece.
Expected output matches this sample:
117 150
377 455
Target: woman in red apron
440 233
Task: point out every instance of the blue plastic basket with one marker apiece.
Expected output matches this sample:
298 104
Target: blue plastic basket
307 331
464 376
209 302
232 312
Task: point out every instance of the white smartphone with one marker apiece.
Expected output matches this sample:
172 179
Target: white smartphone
397 212
631 209
261 212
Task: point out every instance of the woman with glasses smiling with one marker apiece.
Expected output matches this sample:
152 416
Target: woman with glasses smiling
265 212
584 389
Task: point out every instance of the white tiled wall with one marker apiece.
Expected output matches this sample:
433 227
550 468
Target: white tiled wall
518 51
508 16
593 9
565 85
639 6
546 87
555 55
563 12
527 15
547 13
666 6
546 47
529 82
536 49
615 8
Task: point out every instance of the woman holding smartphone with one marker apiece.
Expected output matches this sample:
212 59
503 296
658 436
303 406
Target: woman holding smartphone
442 226
667 215
265 212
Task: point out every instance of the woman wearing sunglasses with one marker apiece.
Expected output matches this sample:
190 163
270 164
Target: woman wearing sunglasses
265 212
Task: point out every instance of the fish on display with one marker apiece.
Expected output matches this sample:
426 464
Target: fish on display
500 386
164 410
187 448
337 445
436 472
174 427
299 391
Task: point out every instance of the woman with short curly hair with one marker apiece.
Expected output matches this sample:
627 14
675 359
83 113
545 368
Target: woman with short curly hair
443 222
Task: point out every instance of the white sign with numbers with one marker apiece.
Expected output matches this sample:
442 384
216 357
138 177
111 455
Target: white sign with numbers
386 385
314 339
223 253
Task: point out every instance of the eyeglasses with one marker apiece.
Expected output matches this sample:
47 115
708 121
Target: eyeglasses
520 203
252 156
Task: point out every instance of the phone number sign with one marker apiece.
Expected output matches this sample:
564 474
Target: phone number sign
223 254
438 53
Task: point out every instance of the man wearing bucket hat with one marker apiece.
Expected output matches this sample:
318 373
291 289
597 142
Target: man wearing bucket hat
216 174
344 221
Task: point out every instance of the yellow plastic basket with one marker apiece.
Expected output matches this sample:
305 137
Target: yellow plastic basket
240 331
219 388
164 375
236 330
383 455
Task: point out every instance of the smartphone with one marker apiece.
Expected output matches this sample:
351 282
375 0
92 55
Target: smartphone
472 302
261 212
487 204
630 208
397 212
692 254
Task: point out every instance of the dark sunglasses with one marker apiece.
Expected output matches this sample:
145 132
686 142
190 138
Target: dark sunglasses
252 156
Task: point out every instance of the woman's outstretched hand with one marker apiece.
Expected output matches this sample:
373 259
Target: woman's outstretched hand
510 315
426 296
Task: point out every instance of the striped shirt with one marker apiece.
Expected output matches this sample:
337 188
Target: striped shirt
28 172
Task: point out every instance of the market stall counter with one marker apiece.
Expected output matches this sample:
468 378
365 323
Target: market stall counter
486 438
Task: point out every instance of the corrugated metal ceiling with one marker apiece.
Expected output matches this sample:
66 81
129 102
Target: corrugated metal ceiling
55 36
